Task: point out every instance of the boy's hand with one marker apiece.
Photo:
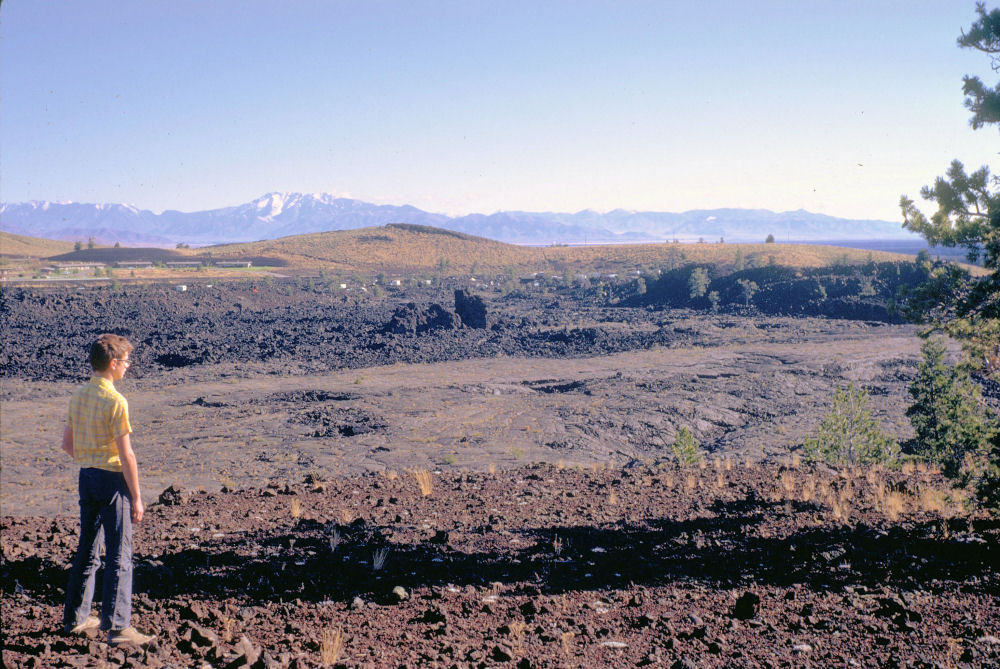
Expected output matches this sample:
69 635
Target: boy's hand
138 508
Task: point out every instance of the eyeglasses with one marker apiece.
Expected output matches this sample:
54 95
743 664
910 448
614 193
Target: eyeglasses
124 361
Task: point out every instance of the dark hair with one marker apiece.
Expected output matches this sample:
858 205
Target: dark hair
108 347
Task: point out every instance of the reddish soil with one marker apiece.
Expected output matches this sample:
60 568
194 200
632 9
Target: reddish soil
725 566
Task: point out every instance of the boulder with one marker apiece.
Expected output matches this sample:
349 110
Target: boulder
172 496
471 309
409 319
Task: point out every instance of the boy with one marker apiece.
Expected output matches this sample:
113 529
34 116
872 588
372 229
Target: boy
97 438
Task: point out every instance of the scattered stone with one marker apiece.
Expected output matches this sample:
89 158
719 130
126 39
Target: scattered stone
400 594
614 644
247 649
202 636
832 554
172 496
193 611
502 654
433 616
747 606
648 659
800 648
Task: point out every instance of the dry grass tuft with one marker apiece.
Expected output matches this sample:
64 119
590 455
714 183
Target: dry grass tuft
808 490
335 539
228 629
517 629
378 558
566 639
331 645
296 508
424 481
840 510
933 501
891 502
690 483
787 483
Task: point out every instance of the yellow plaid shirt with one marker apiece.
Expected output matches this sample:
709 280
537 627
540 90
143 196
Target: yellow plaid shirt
98 414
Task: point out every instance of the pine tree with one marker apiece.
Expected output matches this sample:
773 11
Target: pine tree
697 283
685 448
948 415
748 289
848 435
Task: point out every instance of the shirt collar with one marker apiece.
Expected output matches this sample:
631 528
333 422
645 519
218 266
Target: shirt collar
102 382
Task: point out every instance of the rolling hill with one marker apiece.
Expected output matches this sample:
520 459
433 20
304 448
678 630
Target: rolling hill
20 246
423 249
417 248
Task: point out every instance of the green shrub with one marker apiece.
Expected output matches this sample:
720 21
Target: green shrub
713 299
697 283
948 415
848 434
685 448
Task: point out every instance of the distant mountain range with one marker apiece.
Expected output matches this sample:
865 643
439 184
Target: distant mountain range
282 214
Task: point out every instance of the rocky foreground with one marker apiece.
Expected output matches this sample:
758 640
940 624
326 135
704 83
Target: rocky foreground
725 565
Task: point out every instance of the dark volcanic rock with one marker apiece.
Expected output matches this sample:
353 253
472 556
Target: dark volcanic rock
409 319
172 496
747 606
471 309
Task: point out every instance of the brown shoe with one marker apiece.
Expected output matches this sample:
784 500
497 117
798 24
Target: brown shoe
91 623
129 636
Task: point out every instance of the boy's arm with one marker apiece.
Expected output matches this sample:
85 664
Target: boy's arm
131 471
67 442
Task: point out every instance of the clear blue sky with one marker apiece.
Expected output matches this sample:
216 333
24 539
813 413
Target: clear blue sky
837 107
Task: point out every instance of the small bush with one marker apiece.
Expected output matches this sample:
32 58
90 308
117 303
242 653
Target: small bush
848 435
685 448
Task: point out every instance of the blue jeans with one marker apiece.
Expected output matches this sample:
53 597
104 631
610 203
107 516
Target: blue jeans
104 504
